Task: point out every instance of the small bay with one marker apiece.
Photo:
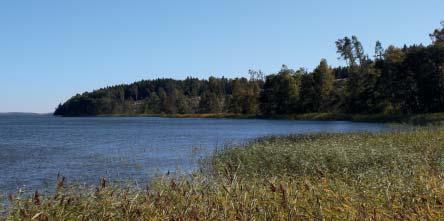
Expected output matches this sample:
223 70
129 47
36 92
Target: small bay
35 148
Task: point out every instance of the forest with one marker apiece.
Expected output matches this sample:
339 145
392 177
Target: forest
394 80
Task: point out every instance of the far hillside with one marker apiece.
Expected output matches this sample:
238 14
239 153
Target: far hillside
394 80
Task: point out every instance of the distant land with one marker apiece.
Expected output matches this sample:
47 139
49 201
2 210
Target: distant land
393 81
22 113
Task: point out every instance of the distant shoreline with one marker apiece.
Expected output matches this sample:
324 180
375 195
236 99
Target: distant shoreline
21 113
416 119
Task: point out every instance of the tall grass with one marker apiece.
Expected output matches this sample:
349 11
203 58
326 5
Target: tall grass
359 176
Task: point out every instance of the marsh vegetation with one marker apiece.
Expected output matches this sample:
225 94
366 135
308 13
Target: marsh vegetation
355 176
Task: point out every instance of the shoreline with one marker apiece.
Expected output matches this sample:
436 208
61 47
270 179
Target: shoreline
415 119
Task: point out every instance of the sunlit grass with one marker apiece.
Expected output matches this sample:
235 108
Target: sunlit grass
359 176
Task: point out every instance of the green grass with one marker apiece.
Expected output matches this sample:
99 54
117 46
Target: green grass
358 176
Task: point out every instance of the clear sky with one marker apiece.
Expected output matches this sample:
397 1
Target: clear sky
51 50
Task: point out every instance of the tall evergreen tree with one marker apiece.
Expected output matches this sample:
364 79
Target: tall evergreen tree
438 36
345 50
379 51
323 79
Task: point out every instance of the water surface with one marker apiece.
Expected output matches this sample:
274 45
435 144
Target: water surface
34 148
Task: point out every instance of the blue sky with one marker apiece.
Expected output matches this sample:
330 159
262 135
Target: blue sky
51 50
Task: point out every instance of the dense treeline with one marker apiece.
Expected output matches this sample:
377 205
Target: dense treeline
215 95
396 80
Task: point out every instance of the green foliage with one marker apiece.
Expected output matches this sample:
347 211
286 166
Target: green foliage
404 80
412 79
244 95
168 96
345 49
379 51
280 94
323 86
438 36
308 94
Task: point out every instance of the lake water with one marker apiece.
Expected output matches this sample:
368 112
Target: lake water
33 149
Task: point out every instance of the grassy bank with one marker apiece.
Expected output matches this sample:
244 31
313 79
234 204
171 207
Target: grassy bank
415 119
397 175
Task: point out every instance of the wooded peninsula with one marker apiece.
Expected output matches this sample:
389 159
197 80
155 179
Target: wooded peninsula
395 80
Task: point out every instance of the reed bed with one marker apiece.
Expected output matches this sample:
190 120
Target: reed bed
358 176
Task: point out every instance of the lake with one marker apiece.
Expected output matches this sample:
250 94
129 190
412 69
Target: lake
35 148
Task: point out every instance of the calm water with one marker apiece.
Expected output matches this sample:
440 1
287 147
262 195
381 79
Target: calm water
33 149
